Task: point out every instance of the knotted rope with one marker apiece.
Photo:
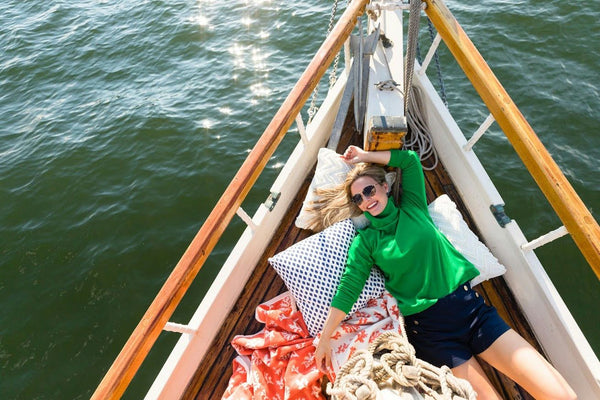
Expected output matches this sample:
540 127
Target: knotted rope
391 359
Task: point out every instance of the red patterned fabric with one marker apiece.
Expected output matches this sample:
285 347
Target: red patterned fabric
362 327
278 362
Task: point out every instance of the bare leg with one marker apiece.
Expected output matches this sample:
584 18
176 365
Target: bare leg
472 371
517 359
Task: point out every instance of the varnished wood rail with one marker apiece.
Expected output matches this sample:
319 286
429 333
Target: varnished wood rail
145 334
566 203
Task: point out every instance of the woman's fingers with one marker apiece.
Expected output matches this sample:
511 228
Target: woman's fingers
352 154
322 356
320 363
327 362
348 153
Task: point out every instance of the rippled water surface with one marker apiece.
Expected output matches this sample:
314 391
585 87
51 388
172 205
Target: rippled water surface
123 122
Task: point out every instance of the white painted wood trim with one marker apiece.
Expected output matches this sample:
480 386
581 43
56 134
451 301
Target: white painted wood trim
386 102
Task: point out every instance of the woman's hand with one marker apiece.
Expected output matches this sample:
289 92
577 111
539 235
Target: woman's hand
354 154
323 354
323 350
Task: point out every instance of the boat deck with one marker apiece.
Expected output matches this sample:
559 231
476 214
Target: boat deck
212 376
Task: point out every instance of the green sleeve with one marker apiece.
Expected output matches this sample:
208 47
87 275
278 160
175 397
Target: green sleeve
358 269
413 180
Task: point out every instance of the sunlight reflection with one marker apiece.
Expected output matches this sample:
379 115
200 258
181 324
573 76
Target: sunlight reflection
256 2
236 49
207 123
248 57
260 90
258 59
202 20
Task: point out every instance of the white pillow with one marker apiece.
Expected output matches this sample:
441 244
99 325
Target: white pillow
331 170
450 222
313 267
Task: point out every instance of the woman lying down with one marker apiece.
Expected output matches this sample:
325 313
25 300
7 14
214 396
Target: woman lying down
449 322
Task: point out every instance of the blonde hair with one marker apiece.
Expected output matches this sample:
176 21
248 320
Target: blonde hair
334 204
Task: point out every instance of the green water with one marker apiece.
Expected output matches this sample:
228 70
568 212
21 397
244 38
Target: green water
121 123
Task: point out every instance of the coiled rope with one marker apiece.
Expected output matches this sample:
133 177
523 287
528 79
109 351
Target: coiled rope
419 138
391 359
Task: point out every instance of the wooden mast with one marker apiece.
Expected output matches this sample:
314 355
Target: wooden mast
145 334
566 203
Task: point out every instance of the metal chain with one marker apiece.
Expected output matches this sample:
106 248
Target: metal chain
437 64
312 110
333 74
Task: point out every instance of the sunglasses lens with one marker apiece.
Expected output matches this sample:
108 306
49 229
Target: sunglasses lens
367 192
357 199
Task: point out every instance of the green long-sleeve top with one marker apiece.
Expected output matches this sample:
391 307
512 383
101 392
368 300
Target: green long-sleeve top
419 264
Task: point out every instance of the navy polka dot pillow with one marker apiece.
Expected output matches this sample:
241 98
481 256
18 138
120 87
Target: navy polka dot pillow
312 269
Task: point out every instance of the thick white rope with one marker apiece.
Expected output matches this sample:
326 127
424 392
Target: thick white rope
390 358
420 139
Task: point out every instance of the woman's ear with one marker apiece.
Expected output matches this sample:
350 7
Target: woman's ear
385 187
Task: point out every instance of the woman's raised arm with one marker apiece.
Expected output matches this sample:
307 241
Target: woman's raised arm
354 154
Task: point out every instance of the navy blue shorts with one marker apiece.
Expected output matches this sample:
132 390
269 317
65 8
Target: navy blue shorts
455 328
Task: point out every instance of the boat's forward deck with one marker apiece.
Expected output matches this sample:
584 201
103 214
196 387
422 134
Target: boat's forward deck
211 378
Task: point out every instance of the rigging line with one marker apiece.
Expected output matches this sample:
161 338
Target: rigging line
391 358
413 34
312 109
438 68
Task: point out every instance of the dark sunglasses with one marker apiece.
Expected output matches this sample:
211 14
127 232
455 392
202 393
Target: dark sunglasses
367 192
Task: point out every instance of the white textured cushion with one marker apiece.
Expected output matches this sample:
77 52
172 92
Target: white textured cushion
331 170
450 222
313 267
